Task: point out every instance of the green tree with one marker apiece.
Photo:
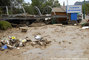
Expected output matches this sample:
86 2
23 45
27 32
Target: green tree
41 4
29 8
20 1
56 3
86 8
4 2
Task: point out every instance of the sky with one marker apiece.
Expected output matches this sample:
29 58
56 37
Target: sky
70 2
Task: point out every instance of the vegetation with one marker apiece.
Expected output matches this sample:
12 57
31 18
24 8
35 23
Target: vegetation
29 7
4 2
41 4
4 25
8 2
86 8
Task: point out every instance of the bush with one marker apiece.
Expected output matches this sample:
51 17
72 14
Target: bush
5 25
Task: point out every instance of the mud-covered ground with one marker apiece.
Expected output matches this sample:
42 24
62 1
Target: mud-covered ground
67 42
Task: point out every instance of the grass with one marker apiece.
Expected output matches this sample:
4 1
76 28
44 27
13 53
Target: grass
4 25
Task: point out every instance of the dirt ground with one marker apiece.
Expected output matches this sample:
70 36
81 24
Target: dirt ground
67 42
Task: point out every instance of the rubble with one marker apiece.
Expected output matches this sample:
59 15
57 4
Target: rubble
40 41
12 42
23 29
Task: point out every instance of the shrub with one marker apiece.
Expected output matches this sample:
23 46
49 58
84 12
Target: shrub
5 25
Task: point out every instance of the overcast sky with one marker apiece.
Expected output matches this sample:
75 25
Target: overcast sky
70 2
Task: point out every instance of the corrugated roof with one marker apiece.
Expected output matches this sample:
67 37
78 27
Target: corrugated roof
59 9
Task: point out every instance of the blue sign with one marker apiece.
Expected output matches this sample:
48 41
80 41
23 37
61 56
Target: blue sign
74 9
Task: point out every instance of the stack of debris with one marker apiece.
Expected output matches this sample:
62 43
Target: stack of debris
12 42
85 24
40 41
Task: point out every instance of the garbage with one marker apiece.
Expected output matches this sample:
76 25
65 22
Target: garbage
75 24
18 48
85 27
4 47
40 43
38 37
4 40
21 44
13 37
11 42
23 41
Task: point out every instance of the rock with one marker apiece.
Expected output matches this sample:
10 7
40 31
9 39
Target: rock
28 39
23 29
33 43
59 42
70 42
48 42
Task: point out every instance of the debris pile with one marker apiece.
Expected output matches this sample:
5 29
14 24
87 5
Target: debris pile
12 42
85 22
40 42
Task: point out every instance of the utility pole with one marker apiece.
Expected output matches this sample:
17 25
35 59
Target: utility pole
67 2
67 7
84 11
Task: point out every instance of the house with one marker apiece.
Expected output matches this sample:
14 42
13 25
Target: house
60 11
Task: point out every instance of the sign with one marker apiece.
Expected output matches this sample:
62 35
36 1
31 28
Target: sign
74 9
74 16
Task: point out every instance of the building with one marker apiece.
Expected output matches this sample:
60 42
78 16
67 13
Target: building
81 3
60 11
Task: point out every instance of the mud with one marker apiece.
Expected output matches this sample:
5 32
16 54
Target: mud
66 42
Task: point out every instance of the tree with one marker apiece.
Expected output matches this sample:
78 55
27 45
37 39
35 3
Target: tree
41 4
4 2
20 1
56 3
86 8
29 8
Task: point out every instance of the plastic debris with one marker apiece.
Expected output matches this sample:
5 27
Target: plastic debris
23 41
18 48
12 42
85 27
38 37
4 47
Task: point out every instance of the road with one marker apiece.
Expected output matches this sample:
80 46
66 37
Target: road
67 42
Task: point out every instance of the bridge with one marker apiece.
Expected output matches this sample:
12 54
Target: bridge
30 17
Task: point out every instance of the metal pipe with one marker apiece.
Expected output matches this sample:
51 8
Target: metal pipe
53 11
7 10
38 10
